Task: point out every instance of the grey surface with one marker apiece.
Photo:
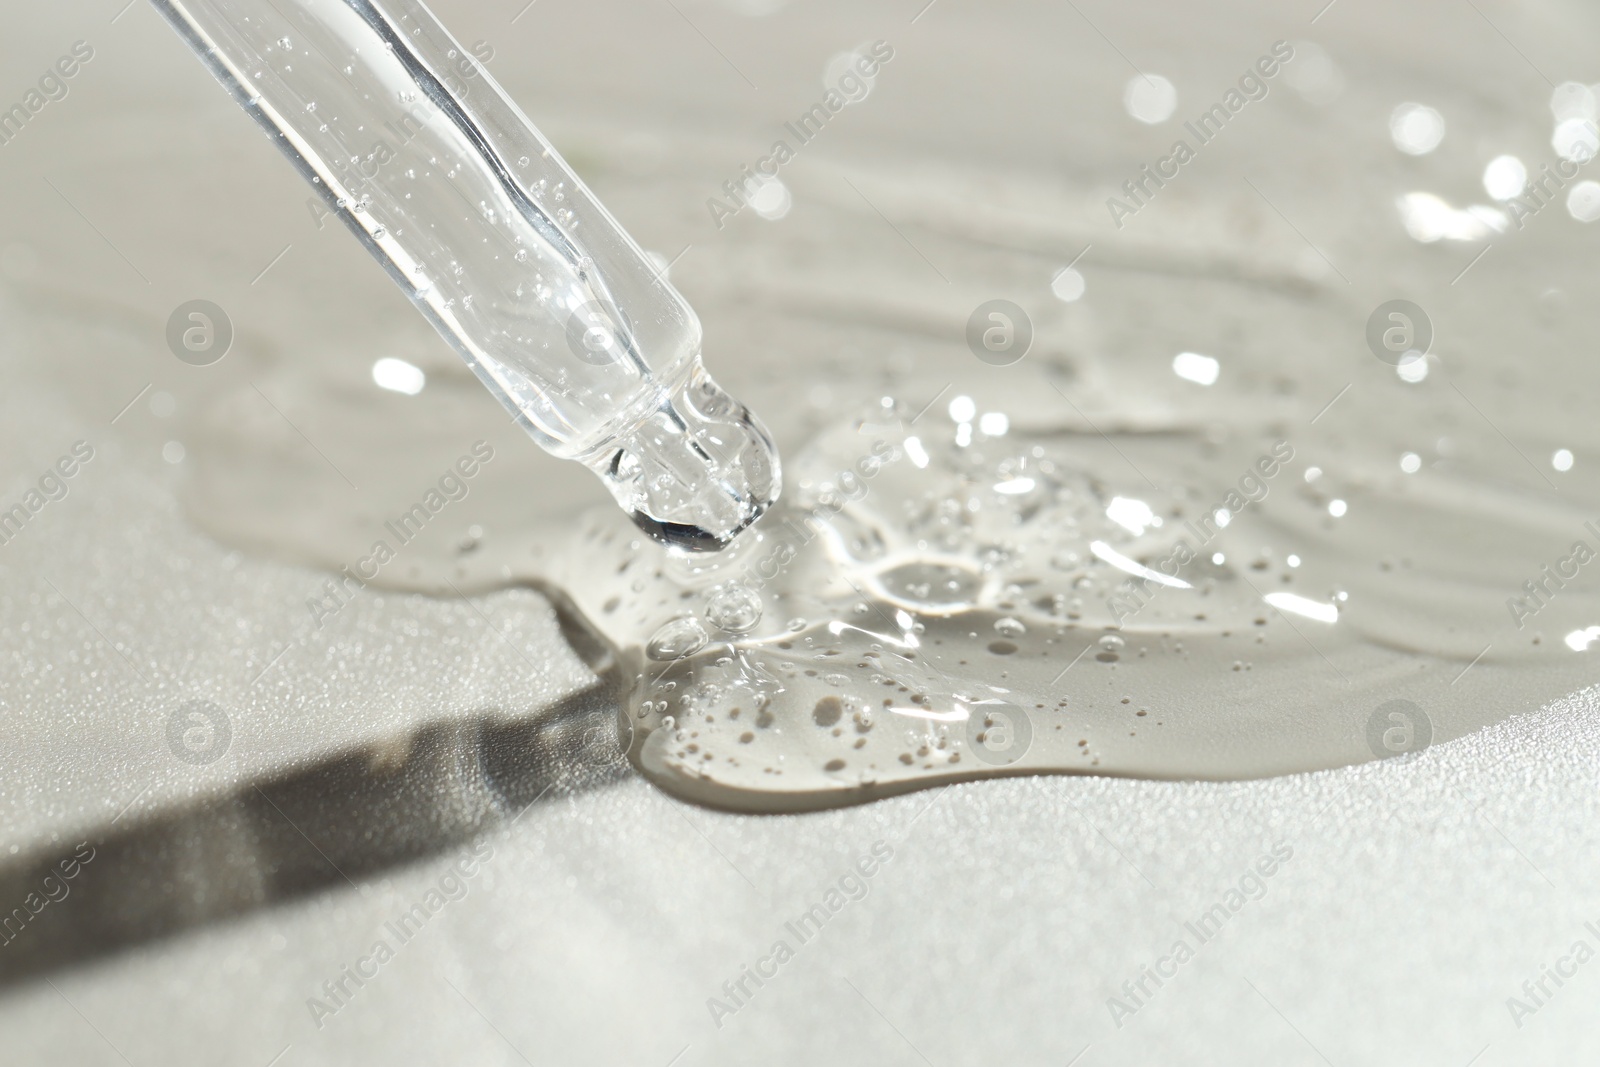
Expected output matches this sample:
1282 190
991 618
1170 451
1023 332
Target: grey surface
1421 894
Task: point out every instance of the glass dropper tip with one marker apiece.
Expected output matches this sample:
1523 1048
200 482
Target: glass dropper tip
700 469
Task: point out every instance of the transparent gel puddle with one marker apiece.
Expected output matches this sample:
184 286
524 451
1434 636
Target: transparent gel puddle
957 594
952 590
937 603
938 599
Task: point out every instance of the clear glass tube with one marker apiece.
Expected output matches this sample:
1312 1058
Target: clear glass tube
444 180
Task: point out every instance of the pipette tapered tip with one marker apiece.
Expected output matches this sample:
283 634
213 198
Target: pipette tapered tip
697 472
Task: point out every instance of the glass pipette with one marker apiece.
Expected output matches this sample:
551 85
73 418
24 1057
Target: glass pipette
496 241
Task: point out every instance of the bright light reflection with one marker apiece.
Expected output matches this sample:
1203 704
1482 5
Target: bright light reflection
1132 515
771 199
1014 487
1505 177
1411 463
1068 286
994 423
398 376
1193 367
907 640
1110 555
1576 139
1427 219
1580 640
1412 370
1299 605
1416 129
959 715
1583 201
918 454
1562 460
1150 98
1573 100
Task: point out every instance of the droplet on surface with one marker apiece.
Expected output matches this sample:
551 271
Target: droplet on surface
733 608
677 639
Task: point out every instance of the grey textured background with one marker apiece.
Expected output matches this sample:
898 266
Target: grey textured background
1420 895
